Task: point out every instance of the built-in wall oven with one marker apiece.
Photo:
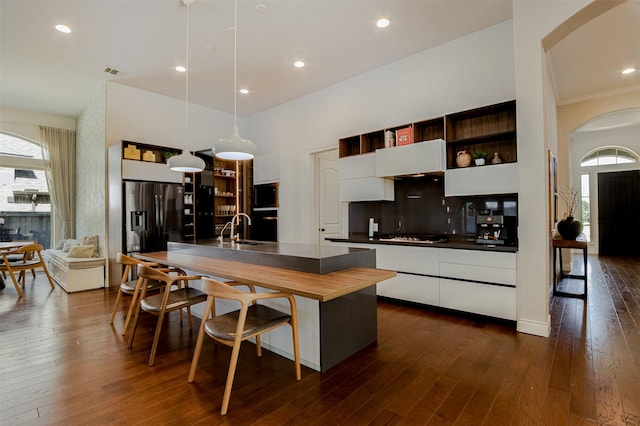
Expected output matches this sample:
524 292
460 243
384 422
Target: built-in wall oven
264 212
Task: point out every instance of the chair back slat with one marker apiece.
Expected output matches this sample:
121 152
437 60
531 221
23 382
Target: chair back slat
153 274
218 289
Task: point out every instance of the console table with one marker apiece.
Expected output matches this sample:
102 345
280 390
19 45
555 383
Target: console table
579 243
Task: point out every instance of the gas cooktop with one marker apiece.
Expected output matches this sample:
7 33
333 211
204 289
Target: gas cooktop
416 238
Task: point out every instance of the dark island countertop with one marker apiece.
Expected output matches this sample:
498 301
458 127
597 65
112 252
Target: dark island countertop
458 243
314 258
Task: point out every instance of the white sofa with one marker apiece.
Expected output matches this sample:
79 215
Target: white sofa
75 273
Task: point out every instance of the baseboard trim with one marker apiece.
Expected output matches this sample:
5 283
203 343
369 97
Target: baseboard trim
537 328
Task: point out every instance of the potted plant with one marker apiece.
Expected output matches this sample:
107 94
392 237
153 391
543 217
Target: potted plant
479 157
569 228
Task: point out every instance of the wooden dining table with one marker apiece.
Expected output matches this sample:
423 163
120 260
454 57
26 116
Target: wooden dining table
6 246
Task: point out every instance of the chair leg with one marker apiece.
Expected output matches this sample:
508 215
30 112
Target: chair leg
258 347
230 376
46 271
197 350
189 317
296 350
16 284
136 317
115 305
156 338
134 304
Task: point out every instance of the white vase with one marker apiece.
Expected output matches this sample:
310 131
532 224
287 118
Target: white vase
479 161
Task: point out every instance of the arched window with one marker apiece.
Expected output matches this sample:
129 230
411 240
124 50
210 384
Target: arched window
25 206
607 156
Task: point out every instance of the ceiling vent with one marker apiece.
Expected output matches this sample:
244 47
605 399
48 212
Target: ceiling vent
111 71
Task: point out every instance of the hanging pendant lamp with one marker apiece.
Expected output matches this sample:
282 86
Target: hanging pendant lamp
186 162
234 147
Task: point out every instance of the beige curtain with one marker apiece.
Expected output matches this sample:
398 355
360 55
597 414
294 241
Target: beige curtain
59 155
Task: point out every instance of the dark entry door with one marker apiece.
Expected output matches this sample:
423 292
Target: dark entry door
619 213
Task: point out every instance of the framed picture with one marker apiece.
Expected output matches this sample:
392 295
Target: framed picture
553 190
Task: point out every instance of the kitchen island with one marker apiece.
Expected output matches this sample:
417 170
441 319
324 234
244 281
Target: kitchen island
335 290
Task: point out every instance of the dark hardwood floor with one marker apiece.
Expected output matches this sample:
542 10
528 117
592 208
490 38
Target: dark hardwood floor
62 363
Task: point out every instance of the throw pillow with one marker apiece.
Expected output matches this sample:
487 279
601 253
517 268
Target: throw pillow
81 250
93 241
70 243
60 244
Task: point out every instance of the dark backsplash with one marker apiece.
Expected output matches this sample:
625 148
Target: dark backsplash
420 207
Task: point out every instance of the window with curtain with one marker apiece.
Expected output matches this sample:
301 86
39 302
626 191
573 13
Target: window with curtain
25 206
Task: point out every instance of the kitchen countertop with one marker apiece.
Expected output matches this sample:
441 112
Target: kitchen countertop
315 258
451 244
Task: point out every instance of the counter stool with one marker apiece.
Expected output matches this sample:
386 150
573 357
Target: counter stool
168 300
251 320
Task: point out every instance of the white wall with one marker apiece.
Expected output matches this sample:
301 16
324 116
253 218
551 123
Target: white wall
25 123
472 71
532 21
146 117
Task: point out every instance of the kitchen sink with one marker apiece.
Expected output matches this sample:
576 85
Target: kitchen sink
249 243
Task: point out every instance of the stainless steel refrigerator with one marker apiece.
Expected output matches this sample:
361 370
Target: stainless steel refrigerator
153 215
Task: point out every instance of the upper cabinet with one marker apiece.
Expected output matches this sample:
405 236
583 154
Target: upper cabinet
147 162
490 129
358 181
266 168
434 145
423 157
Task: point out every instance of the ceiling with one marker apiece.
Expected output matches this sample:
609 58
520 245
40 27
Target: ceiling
47 71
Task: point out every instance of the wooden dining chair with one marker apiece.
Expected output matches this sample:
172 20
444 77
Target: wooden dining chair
27 257
132 287
251 320
168 300
20 257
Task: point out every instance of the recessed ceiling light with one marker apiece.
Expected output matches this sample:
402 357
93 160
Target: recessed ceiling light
382 23
629 70
262 8
63 28
298 64
180 68
244 91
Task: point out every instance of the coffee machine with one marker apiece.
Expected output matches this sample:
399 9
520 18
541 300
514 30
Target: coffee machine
491 228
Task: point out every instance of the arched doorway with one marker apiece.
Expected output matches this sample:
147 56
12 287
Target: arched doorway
606 166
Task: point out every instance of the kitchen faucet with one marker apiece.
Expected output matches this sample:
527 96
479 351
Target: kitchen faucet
233 219
221 237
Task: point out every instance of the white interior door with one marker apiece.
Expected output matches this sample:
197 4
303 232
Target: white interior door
331 214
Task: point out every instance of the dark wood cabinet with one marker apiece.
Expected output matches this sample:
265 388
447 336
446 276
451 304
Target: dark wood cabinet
490 129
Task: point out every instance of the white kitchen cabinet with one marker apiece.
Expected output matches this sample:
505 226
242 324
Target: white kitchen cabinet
476 265
484 299
418 260
410 287
358 181
366 189
417 267
266 168
476 281
148 171
481 180
494 291
358 166
421 157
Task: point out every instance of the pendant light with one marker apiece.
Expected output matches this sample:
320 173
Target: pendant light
234 147
186 162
